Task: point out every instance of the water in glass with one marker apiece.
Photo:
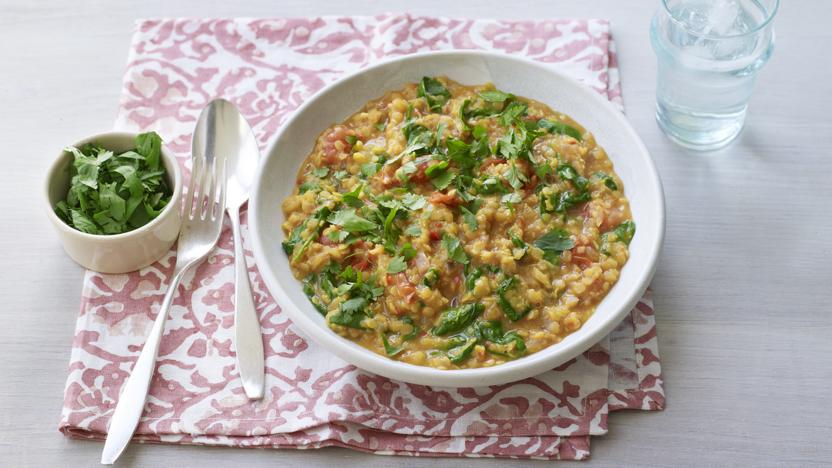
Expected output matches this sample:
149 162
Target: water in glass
708 52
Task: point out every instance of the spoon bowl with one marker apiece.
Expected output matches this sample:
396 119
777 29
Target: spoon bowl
223 134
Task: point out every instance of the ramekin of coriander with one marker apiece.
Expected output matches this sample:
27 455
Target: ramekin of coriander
115 199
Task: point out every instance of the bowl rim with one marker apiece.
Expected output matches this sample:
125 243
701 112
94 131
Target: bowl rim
519 369
52 173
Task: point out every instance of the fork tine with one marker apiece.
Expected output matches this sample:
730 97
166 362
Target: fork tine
221 188
205 186
211 188
193 186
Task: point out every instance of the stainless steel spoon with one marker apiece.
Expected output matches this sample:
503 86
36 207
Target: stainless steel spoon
223 133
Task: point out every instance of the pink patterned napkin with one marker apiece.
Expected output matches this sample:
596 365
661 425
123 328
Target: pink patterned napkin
313 399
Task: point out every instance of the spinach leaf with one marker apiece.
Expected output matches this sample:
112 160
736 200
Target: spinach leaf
624 232
607 179
456 319
459 354
431 277
567 172
512 302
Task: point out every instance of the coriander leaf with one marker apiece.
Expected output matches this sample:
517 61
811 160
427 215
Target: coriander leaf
544 170
408 251
435 94
559 128
454 248
351 140
149 145
307 186
515 177
436 169
443 180
554 243
83 223
320 172
369 169
350 221
351 198
87 173
469 218
350 313
511 198
513 111
396 265
413 231
495 96
413 201
109 200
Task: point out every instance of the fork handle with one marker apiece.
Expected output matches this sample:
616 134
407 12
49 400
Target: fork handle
248 339
132 399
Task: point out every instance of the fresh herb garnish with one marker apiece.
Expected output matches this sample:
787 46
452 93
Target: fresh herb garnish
114 193
396 265
456 319
434 92
350 221
559 128
607 179
454 248
554 243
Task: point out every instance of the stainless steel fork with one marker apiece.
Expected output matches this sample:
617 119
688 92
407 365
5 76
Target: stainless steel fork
201 226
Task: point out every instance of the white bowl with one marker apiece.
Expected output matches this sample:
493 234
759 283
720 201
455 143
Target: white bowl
540 82
115 253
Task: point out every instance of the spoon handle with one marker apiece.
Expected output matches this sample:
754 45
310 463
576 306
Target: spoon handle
248 338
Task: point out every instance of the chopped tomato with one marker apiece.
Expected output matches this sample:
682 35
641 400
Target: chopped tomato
362 263
406 288
330 148
532 183
435 235
419 176
440 198
581 261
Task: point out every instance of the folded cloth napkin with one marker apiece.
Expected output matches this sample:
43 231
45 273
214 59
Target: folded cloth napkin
268 67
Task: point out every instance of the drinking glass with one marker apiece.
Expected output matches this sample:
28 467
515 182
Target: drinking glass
708 54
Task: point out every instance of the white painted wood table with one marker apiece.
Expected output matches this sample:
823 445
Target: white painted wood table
743 288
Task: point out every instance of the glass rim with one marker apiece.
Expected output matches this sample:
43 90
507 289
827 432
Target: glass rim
769 17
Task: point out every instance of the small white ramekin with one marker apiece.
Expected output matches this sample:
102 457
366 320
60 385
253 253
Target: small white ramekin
115 253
